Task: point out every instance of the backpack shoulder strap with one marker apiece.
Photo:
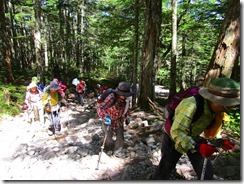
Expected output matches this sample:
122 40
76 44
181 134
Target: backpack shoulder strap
126 106
200 108
115 97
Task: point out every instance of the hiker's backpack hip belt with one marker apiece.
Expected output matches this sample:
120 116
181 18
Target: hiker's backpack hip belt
55 108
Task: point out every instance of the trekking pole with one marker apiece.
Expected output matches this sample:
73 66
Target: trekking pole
220 152
205 164
204 168
102 147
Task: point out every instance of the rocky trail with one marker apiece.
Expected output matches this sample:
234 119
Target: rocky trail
28 153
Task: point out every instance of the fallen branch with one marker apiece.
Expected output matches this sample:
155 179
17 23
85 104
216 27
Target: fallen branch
156 108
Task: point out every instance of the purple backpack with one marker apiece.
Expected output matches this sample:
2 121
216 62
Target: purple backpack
171 106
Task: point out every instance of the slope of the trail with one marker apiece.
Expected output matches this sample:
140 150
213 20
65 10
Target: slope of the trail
28 153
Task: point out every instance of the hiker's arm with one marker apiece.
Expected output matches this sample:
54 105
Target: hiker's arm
45 99
27 98
63 87
181 127
102 109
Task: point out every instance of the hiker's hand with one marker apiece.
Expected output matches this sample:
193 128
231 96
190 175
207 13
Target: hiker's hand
99 101
63 102
227 145
204 149
107 121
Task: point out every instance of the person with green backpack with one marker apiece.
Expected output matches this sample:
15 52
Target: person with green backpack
221 95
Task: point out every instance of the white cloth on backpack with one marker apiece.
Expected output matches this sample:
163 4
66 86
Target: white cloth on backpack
126 106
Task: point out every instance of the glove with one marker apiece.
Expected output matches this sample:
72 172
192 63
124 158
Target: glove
108 121
204 149
227 145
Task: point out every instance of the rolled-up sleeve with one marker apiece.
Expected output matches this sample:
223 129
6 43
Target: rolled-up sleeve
180 130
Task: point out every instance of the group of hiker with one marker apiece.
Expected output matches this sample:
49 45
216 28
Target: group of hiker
194 122
48 100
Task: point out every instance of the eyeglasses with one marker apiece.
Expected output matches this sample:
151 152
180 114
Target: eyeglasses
230 107
122 97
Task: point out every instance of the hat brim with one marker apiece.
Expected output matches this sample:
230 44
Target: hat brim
32 86
54 88
218 99
120 93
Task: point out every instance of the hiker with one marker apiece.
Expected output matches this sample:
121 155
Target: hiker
184 138
51 100
33 101
80 89
39 84
114 117
62 87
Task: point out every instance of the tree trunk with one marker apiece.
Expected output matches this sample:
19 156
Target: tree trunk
6 44
37 37
135 63
174 51
150 51
227 50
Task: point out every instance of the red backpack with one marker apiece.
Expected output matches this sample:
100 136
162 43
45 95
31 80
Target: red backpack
174 102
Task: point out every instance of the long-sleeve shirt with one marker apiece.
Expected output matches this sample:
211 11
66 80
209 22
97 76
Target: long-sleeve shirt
32 97
80 88
54 100
62 88
115 112
182 124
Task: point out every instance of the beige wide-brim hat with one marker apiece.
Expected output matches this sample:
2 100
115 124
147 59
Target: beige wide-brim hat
31 85
223 91
123 89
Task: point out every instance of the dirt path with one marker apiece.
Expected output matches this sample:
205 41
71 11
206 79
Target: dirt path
28 153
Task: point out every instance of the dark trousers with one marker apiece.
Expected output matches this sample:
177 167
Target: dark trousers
80 98
170 158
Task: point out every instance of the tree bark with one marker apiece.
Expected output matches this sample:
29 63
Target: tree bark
37 39
227 49
150 51
6 44
135 63
174 51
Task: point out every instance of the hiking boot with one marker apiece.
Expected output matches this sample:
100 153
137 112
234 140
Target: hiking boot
50 131
58 133
109 153
119 154
150 177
